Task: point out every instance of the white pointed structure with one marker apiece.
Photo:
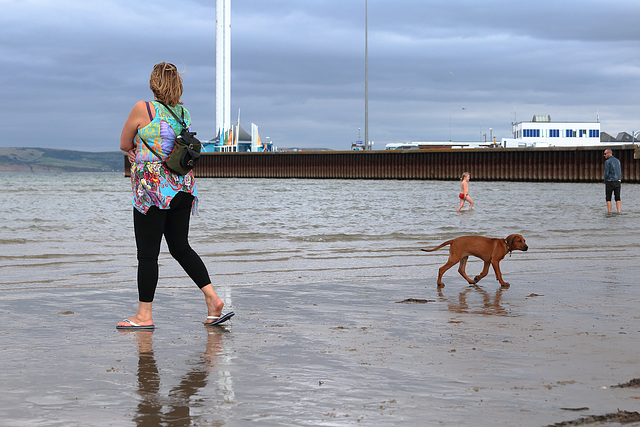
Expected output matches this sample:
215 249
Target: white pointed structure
223 65
229 137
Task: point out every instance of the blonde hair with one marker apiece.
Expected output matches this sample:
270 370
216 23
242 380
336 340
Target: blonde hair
166 83
463 175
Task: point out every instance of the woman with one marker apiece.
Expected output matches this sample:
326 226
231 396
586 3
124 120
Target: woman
464 191
162 201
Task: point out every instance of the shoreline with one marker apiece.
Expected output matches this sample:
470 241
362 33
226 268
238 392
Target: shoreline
469 355
338 317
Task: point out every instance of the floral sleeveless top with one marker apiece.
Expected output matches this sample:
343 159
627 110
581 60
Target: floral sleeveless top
152 182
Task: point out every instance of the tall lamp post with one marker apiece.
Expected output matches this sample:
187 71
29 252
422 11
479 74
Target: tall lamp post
366 79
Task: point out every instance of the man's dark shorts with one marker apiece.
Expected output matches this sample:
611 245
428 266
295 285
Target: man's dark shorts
612 187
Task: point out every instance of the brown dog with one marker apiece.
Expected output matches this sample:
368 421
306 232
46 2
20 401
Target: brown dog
491 251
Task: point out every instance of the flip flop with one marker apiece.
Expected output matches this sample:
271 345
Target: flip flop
135 326
219 319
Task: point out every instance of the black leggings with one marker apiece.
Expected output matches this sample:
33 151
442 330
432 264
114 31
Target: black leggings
173 223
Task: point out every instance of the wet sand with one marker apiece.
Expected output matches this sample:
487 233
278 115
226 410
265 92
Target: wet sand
330 353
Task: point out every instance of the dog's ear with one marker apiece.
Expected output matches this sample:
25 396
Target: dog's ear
510 239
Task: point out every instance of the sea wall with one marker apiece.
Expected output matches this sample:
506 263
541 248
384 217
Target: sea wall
574 164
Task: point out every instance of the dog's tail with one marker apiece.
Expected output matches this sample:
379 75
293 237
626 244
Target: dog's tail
448 242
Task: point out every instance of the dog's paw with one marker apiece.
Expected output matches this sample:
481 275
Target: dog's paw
505 284
440 285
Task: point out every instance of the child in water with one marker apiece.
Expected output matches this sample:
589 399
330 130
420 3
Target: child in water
464 191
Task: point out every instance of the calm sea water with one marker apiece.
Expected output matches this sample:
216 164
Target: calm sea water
313 269
76 230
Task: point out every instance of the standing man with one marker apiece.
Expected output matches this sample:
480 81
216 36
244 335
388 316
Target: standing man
612 178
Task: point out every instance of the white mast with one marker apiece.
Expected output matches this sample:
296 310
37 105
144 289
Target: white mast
223 65
367 146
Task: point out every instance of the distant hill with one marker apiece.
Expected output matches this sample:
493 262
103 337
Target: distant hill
19 159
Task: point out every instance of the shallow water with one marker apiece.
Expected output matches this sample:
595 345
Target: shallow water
316 271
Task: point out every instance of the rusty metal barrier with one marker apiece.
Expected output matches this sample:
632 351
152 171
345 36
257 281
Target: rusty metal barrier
575 164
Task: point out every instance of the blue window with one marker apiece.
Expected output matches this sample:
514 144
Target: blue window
554 133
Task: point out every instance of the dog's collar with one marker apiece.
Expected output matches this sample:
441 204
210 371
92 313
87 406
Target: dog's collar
508 247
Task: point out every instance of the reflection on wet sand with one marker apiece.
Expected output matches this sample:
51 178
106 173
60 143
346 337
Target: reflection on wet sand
488 305
178 413
150 407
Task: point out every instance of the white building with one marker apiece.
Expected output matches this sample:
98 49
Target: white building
542 132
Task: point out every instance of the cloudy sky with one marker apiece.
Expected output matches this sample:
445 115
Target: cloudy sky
438 69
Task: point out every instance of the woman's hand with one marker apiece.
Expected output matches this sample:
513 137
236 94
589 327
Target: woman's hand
132 155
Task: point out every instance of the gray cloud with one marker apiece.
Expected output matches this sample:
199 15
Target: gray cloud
438 70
